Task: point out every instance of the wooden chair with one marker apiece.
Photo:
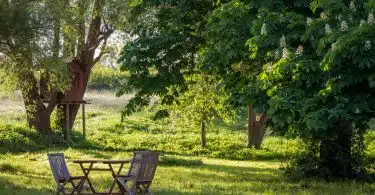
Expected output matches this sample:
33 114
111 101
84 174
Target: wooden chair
141 173
62 176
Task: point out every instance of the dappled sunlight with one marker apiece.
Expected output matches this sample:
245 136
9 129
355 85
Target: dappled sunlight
30 173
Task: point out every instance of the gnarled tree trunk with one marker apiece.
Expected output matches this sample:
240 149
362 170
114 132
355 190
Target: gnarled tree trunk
81 65
38 114
256 129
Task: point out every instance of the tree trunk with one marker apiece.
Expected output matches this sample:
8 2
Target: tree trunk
38 115
75 93
250 124
80 67
255 129
335 151
203 132
35 112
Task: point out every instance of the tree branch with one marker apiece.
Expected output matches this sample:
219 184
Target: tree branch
104 38
102 51
100 56
52 102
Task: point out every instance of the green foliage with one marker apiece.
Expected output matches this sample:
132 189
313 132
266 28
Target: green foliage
163 50
307 65
324 83
203 101
27 47
20 139
106 78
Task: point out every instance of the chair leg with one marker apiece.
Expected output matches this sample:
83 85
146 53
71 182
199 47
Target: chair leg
61 187
138 187
126 190
122 186
147 188
74 188
80 186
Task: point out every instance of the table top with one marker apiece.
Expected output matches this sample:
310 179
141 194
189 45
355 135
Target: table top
102 161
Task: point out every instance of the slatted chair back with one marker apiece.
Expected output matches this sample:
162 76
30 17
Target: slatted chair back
135 166
58 167
149 164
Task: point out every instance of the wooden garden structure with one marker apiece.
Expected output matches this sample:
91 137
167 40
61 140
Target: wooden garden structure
68 117
73 97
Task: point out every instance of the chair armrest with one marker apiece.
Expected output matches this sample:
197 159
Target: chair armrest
123 175
77 177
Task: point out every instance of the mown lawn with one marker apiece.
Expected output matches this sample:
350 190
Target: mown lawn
29 173
225 167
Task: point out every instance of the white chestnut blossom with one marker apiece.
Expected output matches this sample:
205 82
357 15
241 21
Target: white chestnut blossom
282 41
323 16
148 33
328 29
367 45
344 26
285 53
263 30
269 67
370 18
277 55
299 50
308 21
362 23
352 6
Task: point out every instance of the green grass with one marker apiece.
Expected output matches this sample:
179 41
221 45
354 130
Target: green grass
225 167
29 173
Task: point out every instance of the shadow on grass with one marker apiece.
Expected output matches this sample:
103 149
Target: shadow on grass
8 188
254 180
98 154
175 161
225 173
174 192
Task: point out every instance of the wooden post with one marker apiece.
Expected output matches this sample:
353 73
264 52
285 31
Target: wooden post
83 121
203 132
250 122
67 124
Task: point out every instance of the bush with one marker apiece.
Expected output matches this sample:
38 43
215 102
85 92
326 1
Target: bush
20 139
106 78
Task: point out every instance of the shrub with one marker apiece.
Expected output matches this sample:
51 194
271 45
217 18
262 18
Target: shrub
106 77
20 139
